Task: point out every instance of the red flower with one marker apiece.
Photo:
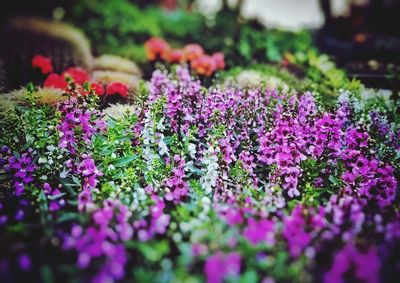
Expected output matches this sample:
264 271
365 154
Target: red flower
193 51
117 88
79 75
43 63
219 60
55 81
155 47
204 65
173 56
97 88
169 4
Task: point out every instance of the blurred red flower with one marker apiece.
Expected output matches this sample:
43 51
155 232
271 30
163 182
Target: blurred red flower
43 63
79 75
193 51
173 56
204 65
97 88
55 81
155 47
219 60
117 88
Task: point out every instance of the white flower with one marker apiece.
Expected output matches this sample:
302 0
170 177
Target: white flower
51 148
118 111
162 146
64 174
210 172
148 129
188 166
160 125
192 150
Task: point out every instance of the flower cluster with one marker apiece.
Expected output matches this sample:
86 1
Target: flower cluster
259 231
157 224
366 265
298 231
77 125
220 266
21 167
79 76
103 239
55 196
201 63
177 187
89 172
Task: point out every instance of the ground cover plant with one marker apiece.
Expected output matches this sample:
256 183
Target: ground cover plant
193 183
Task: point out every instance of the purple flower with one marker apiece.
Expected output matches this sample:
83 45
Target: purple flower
89 171
22 169
77 126
24 262
58 202
219 266
299 231
177 186
159 221
103 239
364 266
233 216
259 231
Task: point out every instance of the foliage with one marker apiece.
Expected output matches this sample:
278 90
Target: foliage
120 27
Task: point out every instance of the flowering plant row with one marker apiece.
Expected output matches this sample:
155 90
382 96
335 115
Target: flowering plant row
201 63
201 184
78 76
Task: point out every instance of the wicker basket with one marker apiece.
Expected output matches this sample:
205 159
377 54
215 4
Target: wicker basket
22 38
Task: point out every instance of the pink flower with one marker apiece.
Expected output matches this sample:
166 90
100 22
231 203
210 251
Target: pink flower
155 47
203 65
233 216
259 231
55 81
220 265
43 63
219 60
193 51
173 56
117 88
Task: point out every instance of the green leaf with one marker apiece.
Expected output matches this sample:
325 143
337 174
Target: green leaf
154 252
57 196
47 274
167 140
68 216
249 276
124 160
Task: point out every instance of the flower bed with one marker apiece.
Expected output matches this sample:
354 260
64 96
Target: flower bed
195 183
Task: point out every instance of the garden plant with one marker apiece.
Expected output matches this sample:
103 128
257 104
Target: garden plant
193 183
